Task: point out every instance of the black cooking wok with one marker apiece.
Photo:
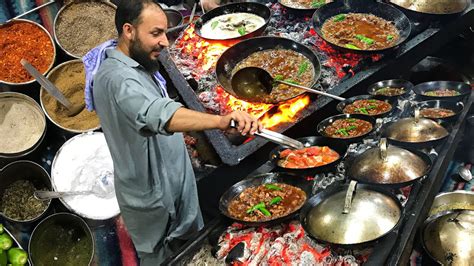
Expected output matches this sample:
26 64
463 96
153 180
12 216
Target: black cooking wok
340 106
381 10
336 145
248 7
462 88
232 56
328 121
456 107
286 178
298 11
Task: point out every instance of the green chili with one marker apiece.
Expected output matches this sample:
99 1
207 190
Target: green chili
389 37
242 30
292 81
339 17
342 131
351 120
362 110
261 204
264 211
214 24
278 77
272 187
372 101
370 107
318 3
303 67
350 128
367 40
275 200
351 46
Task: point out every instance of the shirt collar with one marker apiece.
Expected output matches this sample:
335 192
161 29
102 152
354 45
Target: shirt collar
114 53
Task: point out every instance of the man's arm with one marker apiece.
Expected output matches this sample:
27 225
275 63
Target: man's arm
189 120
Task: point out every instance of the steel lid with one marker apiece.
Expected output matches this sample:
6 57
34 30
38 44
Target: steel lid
436 7
449 237
372 215
388 164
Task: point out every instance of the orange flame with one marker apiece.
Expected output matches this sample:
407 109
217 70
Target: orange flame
286 112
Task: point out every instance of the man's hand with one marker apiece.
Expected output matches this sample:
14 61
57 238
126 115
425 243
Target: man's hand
208 5
245 123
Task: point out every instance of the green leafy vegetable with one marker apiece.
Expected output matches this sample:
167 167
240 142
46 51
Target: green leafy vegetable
351 46
302 68
367 40
214 24
264 211
389 37
339 17
255 207
242 30
275 200
272 187
318 3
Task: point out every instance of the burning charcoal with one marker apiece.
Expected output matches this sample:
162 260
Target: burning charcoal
346 68
236 253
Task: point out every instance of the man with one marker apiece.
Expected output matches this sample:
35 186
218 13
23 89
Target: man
154 179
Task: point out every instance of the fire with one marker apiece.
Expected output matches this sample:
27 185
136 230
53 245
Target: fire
287 112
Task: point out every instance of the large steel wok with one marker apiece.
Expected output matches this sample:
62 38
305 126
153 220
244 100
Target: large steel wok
235 54
381 10
238 188
374 213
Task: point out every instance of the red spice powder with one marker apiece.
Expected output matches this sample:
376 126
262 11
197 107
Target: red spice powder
26 40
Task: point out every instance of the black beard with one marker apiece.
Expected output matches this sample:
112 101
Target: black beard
138 54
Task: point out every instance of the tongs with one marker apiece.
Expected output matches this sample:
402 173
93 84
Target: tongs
275 137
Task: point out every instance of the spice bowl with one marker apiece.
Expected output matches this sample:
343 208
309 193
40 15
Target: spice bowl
48 62
61 239
69 78
23 126
12 176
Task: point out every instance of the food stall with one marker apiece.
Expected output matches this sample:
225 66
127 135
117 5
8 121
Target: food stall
402 79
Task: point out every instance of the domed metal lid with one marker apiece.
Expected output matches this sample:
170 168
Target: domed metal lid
372 214
415 130
449 237
388 165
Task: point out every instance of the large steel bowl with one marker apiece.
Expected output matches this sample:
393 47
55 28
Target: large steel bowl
456 200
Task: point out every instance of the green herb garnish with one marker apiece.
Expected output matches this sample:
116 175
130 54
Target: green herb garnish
351 120
389 37
339 17
255 207
351 46
275 200
214 24
302 68
349 128
264 211
362 110
342 131
272 187
364 39
318 3
372 101
370 107
242 30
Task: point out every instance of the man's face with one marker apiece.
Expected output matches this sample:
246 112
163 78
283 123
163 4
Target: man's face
149 38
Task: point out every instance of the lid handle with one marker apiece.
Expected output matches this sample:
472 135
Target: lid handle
417 115
349 197
383 149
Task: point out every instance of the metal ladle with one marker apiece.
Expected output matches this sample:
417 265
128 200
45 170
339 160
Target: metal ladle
49 86
254 82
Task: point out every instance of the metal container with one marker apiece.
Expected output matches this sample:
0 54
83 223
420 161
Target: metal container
374 212
456 200
394 83
24 170
40 241
15 242
437 7
43 91
456 107
463 89
174 18
62 10
8 98
448 237
52 61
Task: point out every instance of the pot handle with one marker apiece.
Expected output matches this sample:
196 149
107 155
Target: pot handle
383 148
417 115
349 197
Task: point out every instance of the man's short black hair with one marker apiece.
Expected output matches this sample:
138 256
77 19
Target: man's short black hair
128 11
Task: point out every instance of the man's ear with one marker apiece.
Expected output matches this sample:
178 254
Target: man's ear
128 31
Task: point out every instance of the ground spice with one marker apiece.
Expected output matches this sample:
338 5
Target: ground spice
84 25
19 203
20 39
70 78
21 125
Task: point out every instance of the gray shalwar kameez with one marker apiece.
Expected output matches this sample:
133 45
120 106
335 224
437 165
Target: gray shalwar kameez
154 179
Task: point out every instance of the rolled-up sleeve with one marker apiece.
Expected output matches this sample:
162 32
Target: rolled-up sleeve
149 111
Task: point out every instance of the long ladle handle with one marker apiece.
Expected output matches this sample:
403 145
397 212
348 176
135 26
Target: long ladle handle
311 90
43 81
349 197
47 195
31 11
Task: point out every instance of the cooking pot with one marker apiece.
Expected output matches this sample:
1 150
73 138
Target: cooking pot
415 132
374 213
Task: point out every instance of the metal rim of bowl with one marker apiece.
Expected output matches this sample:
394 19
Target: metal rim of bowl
61 11
40 140
53 184
181 18
74 216
375 86
456 192
56 68
52 61
40 168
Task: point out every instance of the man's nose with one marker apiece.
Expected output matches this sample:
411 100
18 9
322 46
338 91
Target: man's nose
164 41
